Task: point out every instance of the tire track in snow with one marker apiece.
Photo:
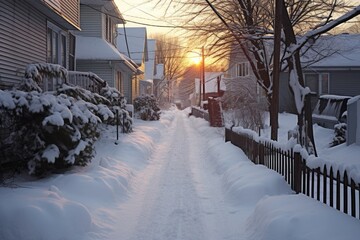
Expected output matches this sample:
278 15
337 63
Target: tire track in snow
165 203
178 196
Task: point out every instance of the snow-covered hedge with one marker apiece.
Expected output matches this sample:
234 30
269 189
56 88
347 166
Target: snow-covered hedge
55 130
50 131
147 108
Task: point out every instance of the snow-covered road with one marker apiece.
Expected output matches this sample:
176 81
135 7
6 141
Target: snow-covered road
168 180
178 196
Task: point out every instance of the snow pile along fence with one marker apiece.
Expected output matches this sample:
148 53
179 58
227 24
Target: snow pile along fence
332 187
200 113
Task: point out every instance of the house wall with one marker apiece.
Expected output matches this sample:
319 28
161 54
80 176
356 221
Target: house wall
341 82
345 82
91 22
22 40
127 75
101 68
71 11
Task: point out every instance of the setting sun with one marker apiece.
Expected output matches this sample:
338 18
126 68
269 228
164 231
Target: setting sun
194 58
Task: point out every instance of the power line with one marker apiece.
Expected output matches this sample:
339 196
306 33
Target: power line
131 21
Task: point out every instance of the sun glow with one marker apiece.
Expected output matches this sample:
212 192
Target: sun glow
194 58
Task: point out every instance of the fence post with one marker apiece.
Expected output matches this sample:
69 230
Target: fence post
297 172
123 122
261 153
117 126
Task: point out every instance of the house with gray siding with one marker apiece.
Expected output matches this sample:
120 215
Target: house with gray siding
132 42
36 31
240 78
96 46
330 67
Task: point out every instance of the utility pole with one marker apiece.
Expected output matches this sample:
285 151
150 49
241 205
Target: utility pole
276 70
203 72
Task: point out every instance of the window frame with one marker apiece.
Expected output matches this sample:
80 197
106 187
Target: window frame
242 69
61 48
319 82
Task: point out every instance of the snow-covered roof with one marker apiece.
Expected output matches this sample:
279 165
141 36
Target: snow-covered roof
150 64
95 48
211 82
136 39
334 51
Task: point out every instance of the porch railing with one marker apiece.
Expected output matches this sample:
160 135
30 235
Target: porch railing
52 76
87 80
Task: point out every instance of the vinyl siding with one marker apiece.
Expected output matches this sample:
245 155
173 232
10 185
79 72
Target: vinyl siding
22 40
91 22
100 68
71 11
345 83
127 81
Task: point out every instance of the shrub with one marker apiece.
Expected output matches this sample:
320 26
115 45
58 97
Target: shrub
54 130
51 132
147 108
340 134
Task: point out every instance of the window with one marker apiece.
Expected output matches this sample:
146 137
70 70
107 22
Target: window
119 82
71 52
324 83
52 46
312 81
63 50
318 83
109 29
242 69
56 45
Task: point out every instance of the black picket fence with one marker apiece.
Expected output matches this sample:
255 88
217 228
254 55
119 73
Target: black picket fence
333 188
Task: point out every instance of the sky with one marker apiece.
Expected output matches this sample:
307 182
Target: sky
145 11
175 178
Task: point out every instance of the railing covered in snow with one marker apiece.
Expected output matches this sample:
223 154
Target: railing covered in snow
87 80
51 76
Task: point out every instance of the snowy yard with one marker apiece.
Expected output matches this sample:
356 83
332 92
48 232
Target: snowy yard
172 179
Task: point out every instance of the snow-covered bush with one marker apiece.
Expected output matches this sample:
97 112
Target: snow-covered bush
340 134
242 106
118 107
51 131
147 108
55 130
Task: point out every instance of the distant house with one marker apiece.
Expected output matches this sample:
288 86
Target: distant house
147 85
96 45
132 42
214 86
36 31
330 67
240 78
159 80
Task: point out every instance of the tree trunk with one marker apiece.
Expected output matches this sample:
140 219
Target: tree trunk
304 124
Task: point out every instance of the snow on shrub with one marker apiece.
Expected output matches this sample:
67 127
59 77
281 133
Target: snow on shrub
55 130
340 134
147 108
50 132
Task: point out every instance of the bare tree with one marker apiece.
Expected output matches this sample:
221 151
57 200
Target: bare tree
249 24
171 53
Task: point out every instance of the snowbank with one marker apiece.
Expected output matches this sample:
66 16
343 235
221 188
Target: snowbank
244 182
81 202
298 217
